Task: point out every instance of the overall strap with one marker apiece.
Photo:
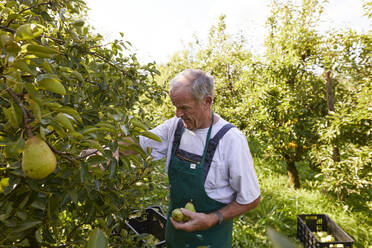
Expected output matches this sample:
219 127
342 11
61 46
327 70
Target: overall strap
177 135
206 141
213 143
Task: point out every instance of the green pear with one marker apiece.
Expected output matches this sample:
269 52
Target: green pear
322 234
189 206
177 215
38 159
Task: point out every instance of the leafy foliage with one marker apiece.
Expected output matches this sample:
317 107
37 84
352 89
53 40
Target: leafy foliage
60 82
348 127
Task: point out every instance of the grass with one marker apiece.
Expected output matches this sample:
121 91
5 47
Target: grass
280 206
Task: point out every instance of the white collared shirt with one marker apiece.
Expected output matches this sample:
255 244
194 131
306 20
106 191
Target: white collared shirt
231 176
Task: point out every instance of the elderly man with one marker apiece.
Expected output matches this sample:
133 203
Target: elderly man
208 162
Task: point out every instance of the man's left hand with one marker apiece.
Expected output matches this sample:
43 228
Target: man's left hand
197 222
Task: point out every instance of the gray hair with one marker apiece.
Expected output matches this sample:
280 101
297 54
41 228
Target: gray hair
200 83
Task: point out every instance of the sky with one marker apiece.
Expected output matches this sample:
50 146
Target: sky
159 28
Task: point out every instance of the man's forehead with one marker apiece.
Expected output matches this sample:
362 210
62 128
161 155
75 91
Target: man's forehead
181 96
182 82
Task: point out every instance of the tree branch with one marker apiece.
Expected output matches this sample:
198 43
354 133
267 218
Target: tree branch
10 30
136 179
86 155
68 156
26 117
72 232
62 154
107 61
25 9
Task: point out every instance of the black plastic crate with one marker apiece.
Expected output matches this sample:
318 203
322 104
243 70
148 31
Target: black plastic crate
308 224
153 222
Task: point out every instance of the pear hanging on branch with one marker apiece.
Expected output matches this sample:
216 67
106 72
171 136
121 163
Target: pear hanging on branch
38 159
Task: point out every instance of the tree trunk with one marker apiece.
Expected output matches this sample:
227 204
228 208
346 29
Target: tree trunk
331 108
294 180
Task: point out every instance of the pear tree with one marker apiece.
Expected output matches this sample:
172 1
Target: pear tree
67 100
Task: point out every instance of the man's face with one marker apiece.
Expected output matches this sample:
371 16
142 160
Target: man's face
194 114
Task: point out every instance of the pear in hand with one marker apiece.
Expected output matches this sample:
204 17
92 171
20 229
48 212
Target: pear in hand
177 215
189 206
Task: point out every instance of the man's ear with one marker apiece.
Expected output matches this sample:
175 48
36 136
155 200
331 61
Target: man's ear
208 100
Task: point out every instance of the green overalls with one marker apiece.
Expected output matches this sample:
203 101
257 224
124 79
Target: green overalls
187 173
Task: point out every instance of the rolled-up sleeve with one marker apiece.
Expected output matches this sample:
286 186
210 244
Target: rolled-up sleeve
242 175
159 149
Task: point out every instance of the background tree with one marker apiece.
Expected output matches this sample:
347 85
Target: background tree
291 98
348 126
60 82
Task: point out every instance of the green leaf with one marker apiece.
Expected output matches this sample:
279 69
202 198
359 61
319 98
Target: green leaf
12 48
91 214
70 111
30 88
24 201
97 239
22 215
96 160
133 147
78 23
64 121
77 75
107 125
4 40
25 226
94 144
13 115
76 135
46 66
151 135
3 217
19 144
48 236
52 84
9 116
73 195
138 124
38 205
23 66
35 49
4 181
53 105
89 130
36 111
83 172
113 165
125 130
53 206
28 32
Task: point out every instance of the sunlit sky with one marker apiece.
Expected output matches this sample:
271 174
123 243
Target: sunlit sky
158 28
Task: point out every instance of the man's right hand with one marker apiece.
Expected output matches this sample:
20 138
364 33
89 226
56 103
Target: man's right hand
197 222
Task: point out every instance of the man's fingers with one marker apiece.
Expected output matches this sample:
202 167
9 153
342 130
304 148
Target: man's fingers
188 213
177 225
